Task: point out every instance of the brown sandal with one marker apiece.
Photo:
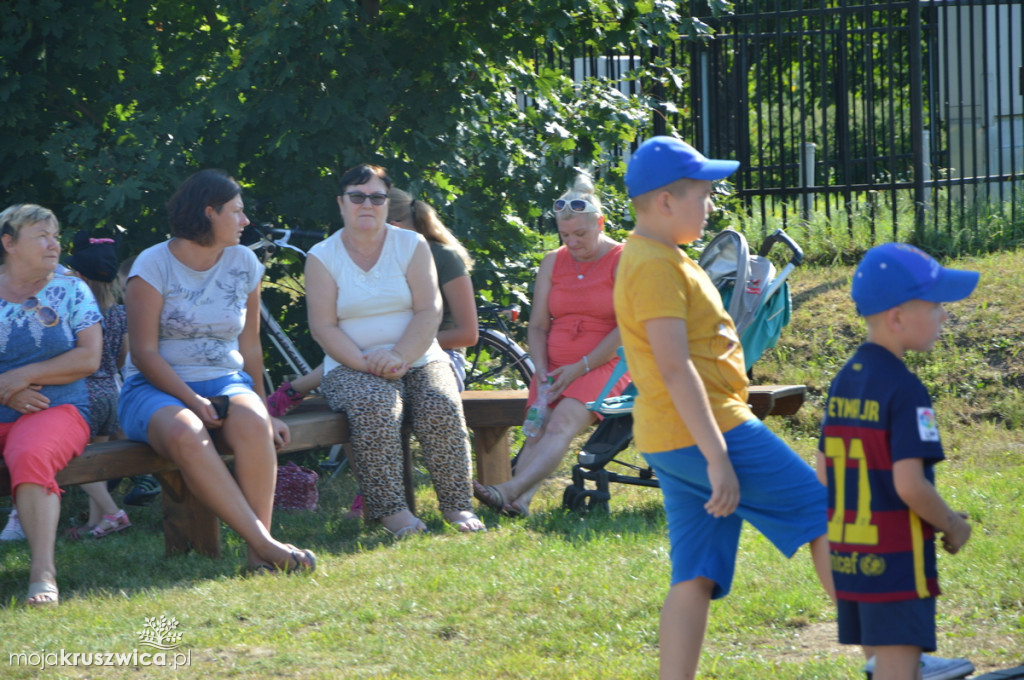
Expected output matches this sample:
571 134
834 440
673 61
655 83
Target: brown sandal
489 495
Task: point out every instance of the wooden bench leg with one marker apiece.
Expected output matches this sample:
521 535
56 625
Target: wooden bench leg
493 455
188 524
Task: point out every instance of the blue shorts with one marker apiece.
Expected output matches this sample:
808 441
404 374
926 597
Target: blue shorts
907 622
780 495
139 400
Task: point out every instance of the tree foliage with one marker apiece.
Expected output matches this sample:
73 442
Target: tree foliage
106 107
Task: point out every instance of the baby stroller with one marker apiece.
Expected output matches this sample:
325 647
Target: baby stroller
758 301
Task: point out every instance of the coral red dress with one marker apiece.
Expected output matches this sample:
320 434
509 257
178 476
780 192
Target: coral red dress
582 314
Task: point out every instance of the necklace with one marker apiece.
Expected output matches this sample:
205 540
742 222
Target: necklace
581 274
576 264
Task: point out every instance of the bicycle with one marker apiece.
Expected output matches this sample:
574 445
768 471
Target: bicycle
497 361
270 240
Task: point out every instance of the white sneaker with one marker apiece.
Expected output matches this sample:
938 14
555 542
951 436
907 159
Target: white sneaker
13 530
935 667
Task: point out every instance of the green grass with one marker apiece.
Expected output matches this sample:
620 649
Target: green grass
557 595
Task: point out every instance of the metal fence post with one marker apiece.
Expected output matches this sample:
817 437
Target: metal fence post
926 168
917 131
807 152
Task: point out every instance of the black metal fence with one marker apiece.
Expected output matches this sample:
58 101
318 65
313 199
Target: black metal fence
913 110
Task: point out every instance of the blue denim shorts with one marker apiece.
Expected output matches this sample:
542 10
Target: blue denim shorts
780 495
906 622
139 400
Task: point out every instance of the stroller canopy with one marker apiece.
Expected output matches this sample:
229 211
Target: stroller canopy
757 300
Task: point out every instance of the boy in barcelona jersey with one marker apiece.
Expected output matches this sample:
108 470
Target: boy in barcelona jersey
878 448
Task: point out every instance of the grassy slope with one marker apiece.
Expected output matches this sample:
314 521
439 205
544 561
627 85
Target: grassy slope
556 595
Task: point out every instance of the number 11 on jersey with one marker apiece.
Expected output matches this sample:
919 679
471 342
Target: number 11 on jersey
861 531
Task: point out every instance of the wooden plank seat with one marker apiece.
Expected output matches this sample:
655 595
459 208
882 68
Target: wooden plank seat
189 525
775 400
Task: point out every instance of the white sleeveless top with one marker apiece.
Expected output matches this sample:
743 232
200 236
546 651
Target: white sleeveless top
374 307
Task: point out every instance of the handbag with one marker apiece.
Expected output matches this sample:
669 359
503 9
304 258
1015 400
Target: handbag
296 488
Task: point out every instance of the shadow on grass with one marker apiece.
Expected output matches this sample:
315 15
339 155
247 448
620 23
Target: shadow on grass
642 516
800 298
133 562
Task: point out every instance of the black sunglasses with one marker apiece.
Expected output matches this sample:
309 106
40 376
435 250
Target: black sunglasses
47 316
358 197
577 205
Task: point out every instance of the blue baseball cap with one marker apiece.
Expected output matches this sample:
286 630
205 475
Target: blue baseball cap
662 160
894 273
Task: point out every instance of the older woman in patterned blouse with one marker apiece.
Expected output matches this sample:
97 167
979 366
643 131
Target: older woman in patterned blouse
50 340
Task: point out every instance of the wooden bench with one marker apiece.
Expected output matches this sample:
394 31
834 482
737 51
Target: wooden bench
775 400
188 524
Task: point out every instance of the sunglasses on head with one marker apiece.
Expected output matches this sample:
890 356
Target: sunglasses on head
576 205
358 197
46 315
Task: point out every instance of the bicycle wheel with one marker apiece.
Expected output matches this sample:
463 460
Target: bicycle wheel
497 363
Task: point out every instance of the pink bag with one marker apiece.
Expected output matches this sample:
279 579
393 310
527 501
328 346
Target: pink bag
296 488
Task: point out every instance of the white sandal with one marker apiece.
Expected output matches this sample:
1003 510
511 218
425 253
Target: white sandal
45 590
416 527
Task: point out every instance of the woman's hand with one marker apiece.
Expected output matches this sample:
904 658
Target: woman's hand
282 435
11 383
386 363
29 400
206 412
564 377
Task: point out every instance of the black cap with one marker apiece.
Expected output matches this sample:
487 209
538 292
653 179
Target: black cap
94 258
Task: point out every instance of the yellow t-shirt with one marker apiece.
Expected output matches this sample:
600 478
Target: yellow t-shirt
655 281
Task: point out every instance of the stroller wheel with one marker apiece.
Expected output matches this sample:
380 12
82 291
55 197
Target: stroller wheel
569 496
596 500
581 502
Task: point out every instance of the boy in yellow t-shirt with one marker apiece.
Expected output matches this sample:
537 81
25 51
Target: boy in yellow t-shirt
716 462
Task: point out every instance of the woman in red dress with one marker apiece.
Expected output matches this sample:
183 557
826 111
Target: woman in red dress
573 338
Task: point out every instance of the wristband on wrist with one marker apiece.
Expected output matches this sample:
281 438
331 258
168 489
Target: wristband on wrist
586 363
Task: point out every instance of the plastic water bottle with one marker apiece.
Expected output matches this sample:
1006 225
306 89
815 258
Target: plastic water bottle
538 409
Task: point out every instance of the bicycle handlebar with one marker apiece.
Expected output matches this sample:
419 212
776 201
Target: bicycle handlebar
266 229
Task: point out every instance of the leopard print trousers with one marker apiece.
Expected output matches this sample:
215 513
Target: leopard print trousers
374 407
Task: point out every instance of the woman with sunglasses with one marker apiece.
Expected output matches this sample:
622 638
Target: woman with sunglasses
573 340
195 365
374 308
50 340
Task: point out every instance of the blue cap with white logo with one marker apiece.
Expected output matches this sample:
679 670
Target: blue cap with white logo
894 273
662 160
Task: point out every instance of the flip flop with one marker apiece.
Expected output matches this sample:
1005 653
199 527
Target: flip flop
416 527
44 589
301 562
465 526
489 495
262 570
